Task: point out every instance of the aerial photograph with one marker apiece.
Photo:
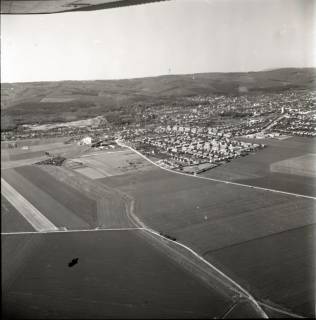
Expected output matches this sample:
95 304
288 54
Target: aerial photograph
158 159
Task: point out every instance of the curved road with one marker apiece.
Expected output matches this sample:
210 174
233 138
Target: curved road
244 294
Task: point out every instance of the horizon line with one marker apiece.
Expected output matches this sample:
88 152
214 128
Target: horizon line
160 75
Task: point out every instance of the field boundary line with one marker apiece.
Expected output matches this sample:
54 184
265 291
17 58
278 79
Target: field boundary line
259 238
244 292
240 290
35 218
120 143
98 153
281 311
68 231
232 307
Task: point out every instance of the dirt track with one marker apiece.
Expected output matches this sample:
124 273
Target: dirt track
29 212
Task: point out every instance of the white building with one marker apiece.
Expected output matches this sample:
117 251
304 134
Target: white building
85 141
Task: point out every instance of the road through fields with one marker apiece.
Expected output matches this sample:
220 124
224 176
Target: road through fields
186 255
121 144
195 262
27 210
307 203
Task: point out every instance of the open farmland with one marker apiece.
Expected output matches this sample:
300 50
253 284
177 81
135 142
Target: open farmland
303 166
30 147
213 246
110 204
38 150
288 255
17 157
6 156
240 311
66 196
49 199
130 279
38 221
255 169
110 163
162 202
11 219
22 162
31 150
209 216
79 123
68 199
33 143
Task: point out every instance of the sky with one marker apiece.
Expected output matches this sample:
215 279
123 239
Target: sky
173 37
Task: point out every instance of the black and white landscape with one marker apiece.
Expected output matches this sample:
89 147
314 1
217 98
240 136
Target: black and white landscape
185 195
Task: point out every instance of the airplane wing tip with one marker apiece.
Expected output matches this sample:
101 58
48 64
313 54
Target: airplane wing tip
19 7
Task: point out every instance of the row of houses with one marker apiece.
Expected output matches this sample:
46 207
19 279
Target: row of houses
191 149
301 124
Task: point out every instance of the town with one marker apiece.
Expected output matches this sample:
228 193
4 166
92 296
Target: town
192 150
192 134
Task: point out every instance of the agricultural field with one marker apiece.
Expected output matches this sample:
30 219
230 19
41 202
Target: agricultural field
109 163
241 311
21 162
28 147
162 201
217 220
255 169
66 205
90 172
7 156
66 196
32 148
289 256
33 151
11 219
73 124
212 216
59 203
32 143
110 204
303 166
130 279
285 182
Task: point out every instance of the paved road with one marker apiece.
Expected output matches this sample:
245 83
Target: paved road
38 221
120 143
286 313
243 293
273 123
196 261
42 224
64 230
